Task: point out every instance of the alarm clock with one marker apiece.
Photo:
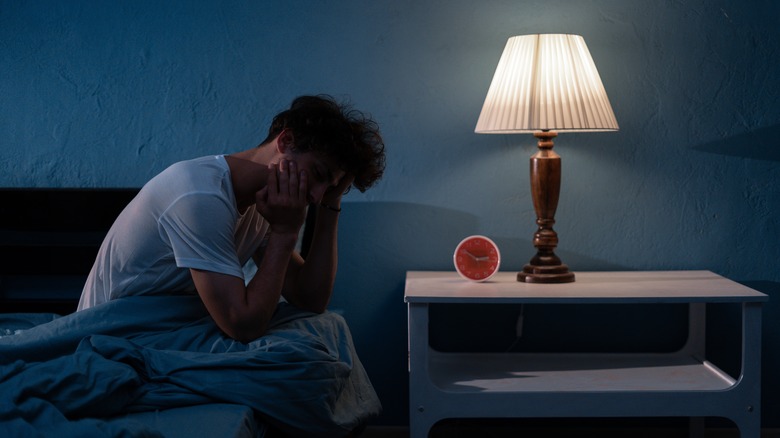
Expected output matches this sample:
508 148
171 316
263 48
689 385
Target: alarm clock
476 258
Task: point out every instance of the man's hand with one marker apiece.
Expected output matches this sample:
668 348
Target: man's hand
333 195
282 202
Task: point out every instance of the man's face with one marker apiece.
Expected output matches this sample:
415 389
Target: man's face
322 173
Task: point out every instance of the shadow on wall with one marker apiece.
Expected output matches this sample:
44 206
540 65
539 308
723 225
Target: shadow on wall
761 144
378 243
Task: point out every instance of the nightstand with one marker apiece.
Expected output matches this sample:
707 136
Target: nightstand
537 385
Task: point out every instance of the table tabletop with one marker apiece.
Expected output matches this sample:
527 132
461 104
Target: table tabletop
589 287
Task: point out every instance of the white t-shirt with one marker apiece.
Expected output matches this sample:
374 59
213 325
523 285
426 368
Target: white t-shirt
185 217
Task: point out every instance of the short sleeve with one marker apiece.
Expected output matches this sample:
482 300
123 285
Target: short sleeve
199 227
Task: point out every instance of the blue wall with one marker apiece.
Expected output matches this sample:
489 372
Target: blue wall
106 94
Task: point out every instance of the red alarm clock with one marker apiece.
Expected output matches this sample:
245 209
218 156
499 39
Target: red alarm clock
476 258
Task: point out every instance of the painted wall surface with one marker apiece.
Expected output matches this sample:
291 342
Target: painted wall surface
107 94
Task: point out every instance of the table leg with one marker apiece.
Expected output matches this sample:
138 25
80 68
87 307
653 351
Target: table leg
419 422
747 417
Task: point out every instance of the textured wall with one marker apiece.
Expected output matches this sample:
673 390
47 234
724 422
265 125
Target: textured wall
106 94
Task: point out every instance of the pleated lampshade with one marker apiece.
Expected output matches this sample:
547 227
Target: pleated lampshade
546 82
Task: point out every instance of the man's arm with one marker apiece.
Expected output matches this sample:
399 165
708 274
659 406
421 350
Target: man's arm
243 312
310 282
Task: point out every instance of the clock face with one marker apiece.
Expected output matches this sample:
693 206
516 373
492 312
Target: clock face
476 258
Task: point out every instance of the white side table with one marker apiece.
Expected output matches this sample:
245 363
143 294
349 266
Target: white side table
538 385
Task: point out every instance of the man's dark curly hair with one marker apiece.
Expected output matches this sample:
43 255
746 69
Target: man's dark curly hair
334 130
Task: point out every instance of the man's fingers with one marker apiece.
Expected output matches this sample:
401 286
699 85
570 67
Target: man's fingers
293 188
273 179
303 185
283 201
345 182
284 177
286 184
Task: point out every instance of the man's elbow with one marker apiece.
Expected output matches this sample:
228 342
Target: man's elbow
309 299
244 331
246 336
313 306
318 309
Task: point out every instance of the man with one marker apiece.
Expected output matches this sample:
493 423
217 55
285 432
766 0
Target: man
194 226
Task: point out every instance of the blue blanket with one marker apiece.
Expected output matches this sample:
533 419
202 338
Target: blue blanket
65 376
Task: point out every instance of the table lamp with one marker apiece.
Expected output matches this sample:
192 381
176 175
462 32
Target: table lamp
545 84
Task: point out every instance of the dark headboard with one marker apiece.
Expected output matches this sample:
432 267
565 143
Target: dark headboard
48 241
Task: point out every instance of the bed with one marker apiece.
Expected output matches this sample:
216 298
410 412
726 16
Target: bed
163 368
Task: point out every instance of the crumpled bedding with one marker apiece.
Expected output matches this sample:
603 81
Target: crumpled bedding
65 376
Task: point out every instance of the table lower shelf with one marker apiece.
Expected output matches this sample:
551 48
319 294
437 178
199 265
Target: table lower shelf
575 372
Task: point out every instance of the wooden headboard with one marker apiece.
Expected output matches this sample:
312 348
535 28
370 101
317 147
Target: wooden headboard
48 241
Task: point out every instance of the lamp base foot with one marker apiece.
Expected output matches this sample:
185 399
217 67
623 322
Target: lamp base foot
545 274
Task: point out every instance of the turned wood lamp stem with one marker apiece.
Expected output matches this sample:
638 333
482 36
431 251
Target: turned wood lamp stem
545 266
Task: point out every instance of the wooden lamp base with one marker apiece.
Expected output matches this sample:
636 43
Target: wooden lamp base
553 273
545 266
